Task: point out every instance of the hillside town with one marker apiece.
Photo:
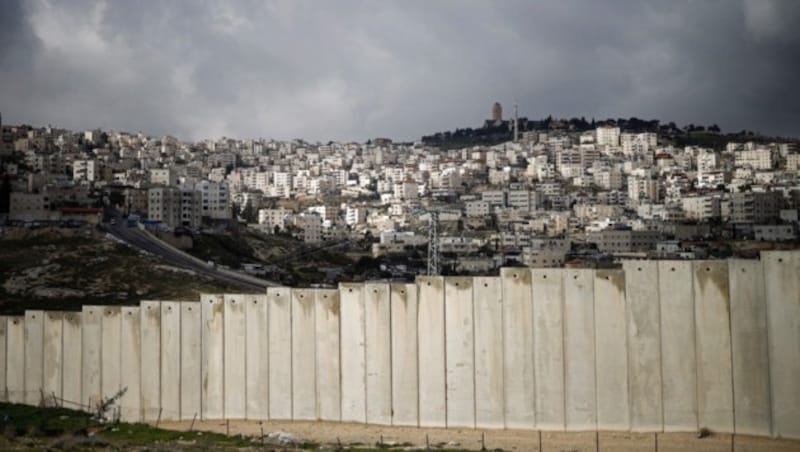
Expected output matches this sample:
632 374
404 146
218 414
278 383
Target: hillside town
549 196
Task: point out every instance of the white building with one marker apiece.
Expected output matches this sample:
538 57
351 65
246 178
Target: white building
215 200
607 136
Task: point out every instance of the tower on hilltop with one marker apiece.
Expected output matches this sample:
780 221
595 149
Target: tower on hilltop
497 112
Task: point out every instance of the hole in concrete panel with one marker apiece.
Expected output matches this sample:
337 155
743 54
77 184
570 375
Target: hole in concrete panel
544 276
301 295
708 269
743 271
374 290
403 291
169 308
325 296
780 259
350 290
456 284
254 301
608 278
33 316
639 269
575 277
16 322
91 312
148 308
129 312
429 283
672 269
485 284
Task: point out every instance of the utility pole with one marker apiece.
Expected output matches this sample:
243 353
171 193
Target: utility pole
433 244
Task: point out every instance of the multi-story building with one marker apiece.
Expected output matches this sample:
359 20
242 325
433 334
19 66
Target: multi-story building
215 200
607 136
272 218
625 240
701 208
757 159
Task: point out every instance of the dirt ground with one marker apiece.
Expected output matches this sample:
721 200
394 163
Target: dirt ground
348 434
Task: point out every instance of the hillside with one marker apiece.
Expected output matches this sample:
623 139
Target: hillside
64 269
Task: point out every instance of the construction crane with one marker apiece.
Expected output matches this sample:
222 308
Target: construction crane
434 261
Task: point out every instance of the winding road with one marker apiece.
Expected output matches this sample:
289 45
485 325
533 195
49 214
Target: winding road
147 242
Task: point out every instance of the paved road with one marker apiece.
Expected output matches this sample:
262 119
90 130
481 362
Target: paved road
146 242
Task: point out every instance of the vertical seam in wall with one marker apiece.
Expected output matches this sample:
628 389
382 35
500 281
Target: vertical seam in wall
290 301
503 351
391 355
660 346
180 357
339 348
532 321
315 300
416 344
594 354
474 360
363 302
628 364
696 354
730 349
444 349
771 395
562 300
222 348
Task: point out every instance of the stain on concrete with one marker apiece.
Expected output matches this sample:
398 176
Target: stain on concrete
615 277
713 274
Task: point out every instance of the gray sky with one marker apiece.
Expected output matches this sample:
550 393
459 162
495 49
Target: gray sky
352 70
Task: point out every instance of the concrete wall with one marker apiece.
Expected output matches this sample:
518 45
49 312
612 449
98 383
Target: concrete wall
654 346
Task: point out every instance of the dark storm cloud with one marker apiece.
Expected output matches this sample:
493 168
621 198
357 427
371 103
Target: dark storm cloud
357 69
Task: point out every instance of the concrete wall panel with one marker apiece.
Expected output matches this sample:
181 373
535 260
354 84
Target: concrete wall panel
459 351
212 360
678 358
71 378
235 342
130 359
257 357
353 353
580 396
782 283
404 355
280 352
34 356
171 360
714 369
378 349
430 333
548 329
304 400
611 351
518 364
150 336
53 357
110 357
15 361
487 299
92 340
191 358
329 400
644 345
750 354
3 356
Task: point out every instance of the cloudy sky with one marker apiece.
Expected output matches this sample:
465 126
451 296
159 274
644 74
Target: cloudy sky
352 70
